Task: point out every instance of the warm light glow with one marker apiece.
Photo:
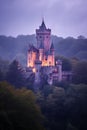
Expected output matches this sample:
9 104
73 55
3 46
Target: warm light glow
49 62
34 70
44 63
32 58
41 57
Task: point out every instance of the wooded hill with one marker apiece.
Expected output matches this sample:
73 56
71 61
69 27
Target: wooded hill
16 48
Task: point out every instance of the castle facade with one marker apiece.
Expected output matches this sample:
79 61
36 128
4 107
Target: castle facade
43 56
44 51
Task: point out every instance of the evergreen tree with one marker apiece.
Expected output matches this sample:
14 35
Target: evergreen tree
1 76
15 74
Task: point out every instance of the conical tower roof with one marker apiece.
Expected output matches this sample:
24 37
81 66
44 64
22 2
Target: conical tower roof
43 26
52 46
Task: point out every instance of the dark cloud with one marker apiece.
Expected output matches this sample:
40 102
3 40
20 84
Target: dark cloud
65 17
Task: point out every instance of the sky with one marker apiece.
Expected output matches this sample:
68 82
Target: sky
64 17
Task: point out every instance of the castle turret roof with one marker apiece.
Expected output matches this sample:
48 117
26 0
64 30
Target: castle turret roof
43 26
52 46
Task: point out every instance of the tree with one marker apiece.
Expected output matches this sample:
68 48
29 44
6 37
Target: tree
80 73
30 81
81 37
66 63
56 109
15 74
76 105
1 76
4 65
18 109
51 100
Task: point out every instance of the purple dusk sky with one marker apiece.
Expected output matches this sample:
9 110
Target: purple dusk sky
64 17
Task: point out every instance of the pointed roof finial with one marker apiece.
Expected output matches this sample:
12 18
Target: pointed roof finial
43 26
42 19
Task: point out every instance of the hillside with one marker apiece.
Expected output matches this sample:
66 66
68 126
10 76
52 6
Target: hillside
71 47
16 48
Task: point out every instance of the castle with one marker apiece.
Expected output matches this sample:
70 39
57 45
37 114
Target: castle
43 56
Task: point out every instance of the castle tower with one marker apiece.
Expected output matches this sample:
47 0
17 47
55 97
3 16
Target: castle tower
41 51
52 48
59 65
52 54
43 35
29 58
37 73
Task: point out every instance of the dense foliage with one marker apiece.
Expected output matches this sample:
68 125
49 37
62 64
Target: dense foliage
80 73
63 105
66 63
18 109
15 75
64 109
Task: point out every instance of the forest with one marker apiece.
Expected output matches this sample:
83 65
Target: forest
61 106
16 47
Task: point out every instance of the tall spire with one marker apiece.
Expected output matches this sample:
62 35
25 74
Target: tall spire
42 19
43 26
52 46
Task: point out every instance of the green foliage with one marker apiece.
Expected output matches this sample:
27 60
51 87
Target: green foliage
47 90
71 47
1 76
18 109
29 82
4 65
66 63
71 127
64 108
11 48
15 74
51 100
80 73
76 104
